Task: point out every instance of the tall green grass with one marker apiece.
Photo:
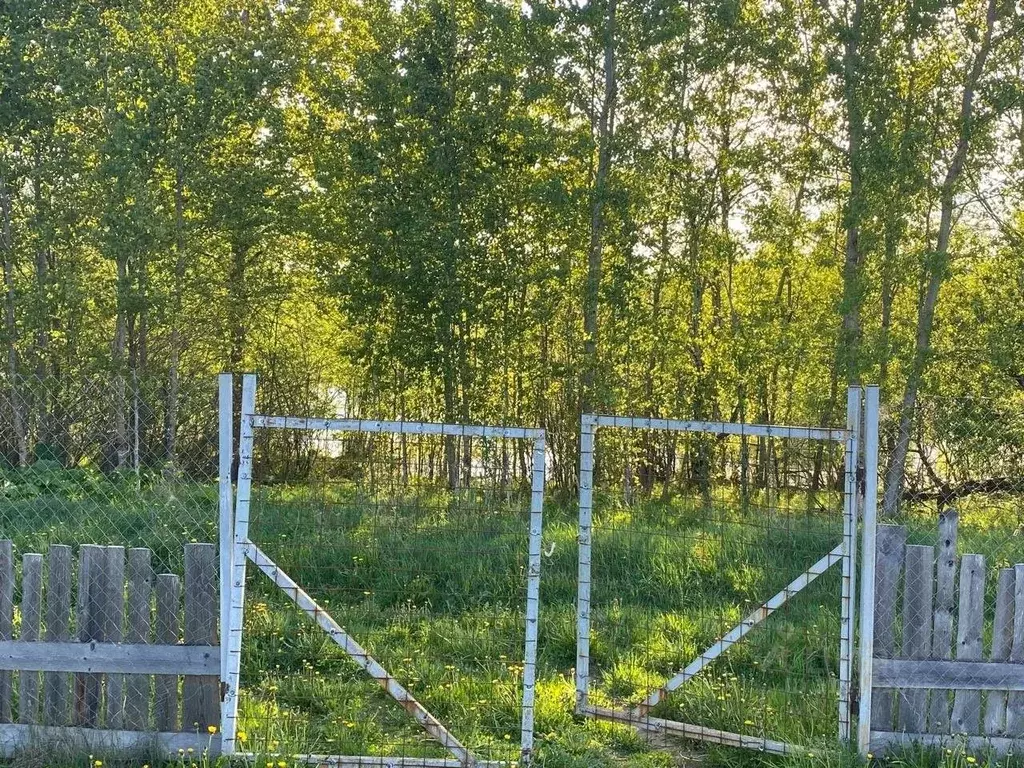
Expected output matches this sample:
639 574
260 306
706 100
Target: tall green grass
433 586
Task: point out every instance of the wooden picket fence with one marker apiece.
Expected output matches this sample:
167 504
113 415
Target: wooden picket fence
928 689
120 675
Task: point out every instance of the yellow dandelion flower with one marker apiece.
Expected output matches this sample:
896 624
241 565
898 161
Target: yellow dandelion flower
972 760
211 729
241 736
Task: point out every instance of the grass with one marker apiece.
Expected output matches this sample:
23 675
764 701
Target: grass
433 585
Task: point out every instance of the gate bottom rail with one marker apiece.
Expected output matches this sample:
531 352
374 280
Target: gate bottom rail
691 731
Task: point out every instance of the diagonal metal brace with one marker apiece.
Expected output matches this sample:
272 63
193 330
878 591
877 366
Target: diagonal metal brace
359 655
741 630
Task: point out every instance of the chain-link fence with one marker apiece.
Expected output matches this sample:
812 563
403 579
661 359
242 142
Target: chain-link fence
103 461
949 573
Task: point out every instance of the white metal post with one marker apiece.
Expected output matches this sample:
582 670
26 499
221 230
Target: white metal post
848 603
240 539
533 599
867 589
588 426
224 526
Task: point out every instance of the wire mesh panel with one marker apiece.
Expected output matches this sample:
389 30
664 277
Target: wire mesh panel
715 579
946 583
391 614
105 461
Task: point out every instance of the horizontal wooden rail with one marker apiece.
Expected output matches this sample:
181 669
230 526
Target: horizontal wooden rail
999 745
957 675
127 658
82 741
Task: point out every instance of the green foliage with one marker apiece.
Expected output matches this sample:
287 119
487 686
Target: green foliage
394 201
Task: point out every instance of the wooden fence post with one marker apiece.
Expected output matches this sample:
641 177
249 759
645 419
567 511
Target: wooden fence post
31 610
113 631
6 622
168 628
140 589
919 585
1015 700
945 602
970 621
1002 641
201 694
90 601
58 629
890 543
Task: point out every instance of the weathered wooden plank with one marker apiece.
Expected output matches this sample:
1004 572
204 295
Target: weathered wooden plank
110 658
113 632
90 629
138 688
168 628
954 675
1015 700
201 707
882 741
1002 641
890 543
970 621
31 615
58 629
6 622
942 622
918 593
76 742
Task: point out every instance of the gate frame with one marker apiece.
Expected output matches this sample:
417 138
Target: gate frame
845 552
869 532
242 550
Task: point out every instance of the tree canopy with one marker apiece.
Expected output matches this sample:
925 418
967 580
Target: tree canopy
484 211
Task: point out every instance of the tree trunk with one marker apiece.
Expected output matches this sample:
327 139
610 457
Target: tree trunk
848 356
119 398
173 371
48 429
936 268
591 297
11 328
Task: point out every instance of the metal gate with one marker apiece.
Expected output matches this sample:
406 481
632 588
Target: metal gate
704 608
404 545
